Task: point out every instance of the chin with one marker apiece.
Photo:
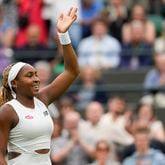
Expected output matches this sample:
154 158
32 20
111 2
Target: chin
36 93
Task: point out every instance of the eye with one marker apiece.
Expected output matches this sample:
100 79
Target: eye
29 74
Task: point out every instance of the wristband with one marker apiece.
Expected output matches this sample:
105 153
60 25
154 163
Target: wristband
64 38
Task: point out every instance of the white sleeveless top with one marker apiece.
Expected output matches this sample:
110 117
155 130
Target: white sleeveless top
34 128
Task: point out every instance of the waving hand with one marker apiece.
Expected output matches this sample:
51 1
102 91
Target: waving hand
65 21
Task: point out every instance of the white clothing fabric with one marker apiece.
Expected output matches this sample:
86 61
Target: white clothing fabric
31 159
33 132
115 129
103 53
92 132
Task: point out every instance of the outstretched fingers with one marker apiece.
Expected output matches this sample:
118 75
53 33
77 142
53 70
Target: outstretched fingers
73 12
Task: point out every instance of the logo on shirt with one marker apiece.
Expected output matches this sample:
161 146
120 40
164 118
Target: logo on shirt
45 113
29 117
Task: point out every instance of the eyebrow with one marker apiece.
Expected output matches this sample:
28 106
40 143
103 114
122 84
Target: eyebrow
30 72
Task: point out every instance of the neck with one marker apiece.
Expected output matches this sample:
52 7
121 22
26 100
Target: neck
114 116
143 152
28 102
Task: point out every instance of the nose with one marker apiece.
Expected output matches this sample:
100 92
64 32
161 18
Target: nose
36 79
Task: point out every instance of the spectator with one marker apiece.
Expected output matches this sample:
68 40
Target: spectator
31 9
144 154
137 52
118 15
88 84
135 125
70 148
103 154
33 50
160 42
7 36
99 50
92 127
139 14
145 112
155 78
65 105
90 10
114 122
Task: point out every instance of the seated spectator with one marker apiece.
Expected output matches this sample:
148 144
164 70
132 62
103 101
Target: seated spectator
90 10
65 105
160 42
103 154
114 122
92 127
7 36
99 50
33 50
87 91
32 9
155 78
135 125
118 15
143 152
146 113
137 52
71 148
138 13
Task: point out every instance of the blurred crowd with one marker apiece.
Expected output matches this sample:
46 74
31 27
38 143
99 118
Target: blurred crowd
91 126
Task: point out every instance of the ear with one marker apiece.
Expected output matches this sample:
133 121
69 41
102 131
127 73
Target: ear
14 84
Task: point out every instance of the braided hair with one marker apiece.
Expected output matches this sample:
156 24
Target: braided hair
5 92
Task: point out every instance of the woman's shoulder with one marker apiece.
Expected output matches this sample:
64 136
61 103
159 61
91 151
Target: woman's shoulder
7 114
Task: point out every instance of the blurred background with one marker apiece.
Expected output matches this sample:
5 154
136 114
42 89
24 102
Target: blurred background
120 93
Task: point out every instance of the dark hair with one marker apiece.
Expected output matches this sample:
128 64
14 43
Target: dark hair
99 20
137 109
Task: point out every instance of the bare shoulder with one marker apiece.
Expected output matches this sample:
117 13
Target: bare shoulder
7 115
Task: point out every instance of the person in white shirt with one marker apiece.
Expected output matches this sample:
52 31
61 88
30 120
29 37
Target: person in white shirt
100 50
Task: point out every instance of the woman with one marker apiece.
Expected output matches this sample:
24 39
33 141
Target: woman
138 13
146 113
25 124
103 154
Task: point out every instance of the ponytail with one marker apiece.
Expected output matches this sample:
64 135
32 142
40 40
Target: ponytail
5 92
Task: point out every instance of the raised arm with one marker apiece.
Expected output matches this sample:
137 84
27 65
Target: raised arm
65 79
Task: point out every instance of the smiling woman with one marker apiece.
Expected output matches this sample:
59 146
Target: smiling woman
25 123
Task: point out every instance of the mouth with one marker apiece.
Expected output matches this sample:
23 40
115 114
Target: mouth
36 87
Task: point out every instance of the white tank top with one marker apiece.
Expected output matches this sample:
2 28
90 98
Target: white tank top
34 128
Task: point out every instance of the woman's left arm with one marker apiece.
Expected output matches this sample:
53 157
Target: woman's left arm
71 71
